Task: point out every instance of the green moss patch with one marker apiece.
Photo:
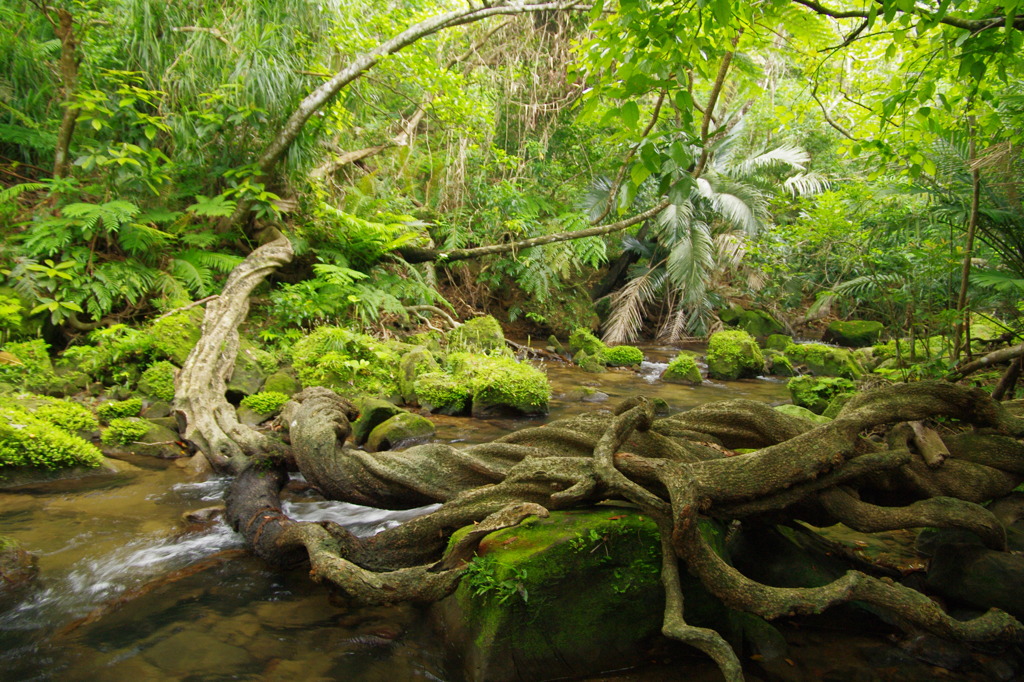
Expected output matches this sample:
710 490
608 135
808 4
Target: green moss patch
442 393
119 409
265 402
479 335
346 361
683 370
622 356
125 430
815 393
853 333
158 381
823 360
27 441
500 385
734 355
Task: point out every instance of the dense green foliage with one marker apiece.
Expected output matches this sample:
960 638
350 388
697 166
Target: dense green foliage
807 161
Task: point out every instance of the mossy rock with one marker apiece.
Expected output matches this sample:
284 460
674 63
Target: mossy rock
836 405
777 342
158 381
500 386
778 364
400 431
479 335
589 363
29 442
372 413
803 413
734 355
621 356
143 437
433 340
349 362
683 370
442 394
566 596
757 323
822 360
815 393
281 382
853 333
556 346
415 363
27 365
582 339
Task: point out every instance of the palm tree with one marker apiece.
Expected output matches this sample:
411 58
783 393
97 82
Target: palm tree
695 241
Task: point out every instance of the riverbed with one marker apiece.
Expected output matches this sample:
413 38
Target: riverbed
130 591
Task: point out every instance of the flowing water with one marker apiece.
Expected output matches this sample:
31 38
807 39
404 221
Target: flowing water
128 590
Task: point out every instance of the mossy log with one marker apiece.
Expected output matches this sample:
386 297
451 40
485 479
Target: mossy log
676 470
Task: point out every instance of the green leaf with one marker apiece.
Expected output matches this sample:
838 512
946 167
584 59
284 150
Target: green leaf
638 173
630 114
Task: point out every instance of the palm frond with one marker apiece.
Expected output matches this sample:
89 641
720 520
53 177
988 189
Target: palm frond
628 305
690 262
806 184
787 155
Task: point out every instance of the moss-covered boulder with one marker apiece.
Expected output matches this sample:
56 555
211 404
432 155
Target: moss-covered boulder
119 408
589 363
500 386
683 370
778 364
582 339
137 436
479 335
349 362
815 393
372 413
566 596
260 407
803 413
442 393
157 381
281 382
757 323
733 355
778 342
622 356
415 363
30 442
853 333
822 360
400 431
27 366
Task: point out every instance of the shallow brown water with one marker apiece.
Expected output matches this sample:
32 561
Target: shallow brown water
172 603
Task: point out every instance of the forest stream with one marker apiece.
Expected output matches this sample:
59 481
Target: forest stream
128 590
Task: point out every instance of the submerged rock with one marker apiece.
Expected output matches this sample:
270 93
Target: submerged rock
18 568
